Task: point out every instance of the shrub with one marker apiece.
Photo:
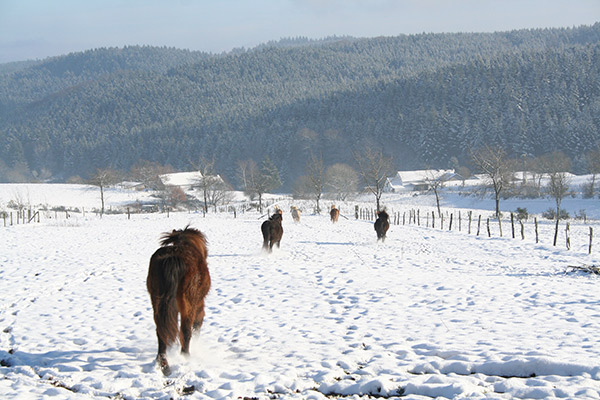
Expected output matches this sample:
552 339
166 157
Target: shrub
551 214
588 190
581 214
522 214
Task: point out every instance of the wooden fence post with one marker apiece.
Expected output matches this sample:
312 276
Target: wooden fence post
500 225
591 235
470 217
556 231
512 224
568 238
488 228
478 225
419 217
537 236
450 228
433 219
522 230
459 221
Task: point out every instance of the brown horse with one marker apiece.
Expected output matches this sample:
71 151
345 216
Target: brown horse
382 225
178 281
334 214
272 231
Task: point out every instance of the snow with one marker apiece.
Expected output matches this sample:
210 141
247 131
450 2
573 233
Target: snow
430 313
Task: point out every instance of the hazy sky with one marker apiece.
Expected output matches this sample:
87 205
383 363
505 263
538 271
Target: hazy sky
33 29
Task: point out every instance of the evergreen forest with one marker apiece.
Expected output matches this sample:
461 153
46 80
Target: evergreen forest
426 100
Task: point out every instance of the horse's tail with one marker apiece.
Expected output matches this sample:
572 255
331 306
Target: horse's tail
266 232
163 281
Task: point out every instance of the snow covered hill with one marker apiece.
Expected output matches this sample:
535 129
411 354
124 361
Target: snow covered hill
429 313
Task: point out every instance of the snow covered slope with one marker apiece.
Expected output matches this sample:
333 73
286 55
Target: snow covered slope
429 313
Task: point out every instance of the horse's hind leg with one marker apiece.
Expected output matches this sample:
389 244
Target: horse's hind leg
186 334
161 358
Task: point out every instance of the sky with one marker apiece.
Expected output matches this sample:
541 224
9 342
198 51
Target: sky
36 29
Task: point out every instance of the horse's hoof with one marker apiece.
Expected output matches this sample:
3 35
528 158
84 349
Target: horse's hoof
164 365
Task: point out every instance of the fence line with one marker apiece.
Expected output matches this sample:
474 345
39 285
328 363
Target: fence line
414 218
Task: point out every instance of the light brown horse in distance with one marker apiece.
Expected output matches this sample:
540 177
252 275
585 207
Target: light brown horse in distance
334 214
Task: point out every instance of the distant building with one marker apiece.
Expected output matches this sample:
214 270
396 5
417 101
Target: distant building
184 180
420 180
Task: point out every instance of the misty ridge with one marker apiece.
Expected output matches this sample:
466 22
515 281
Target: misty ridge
426 100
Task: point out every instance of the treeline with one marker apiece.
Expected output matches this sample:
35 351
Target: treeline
425 99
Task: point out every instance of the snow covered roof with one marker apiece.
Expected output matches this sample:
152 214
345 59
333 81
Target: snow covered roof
182 179
186 180
419 176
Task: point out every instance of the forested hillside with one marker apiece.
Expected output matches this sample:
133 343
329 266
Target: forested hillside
422 98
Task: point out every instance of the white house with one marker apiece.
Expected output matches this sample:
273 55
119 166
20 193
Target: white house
405 181
185 180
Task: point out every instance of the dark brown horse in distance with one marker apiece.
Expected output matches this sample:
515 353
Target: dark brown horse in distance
382 225
178 281
334 214
272 231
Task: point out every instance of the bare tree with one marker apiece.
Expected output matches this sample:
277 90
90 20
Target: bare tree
148 173
559 183
209 183
374 168
103 178
258 181
171 196
341 181
20 200
244 167
312 185
435 185
493 163
220 193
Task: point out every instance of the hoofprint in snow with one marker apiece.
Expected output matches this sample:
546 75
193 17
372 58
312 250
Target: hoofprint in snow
429 313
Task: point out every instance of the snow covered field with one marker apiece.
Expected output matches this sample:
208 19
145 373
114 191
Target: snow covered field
429 313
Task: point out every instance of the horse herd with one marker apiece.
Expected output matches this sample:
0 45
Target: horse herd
178 279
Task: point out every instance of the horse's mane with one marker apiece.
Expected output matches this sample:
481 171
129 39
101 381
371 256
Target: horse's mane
276 217
383 214
187 237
